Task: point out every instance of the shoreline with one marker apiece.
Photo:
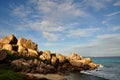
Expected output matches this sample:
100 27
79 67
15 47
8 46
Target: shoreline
48 76
71 76
24 56
83 76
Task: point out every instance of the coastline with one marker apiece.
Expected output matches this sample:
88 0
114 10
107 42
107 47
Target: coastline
82 76
71 76
24 56
48 76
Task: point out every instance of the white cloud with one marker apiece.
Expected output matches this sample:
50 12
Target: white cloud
49 15
59 10
104 22
82 32
114 28
117 3
108 36
46 26
51 44
112 14
95 4
21 11
103 45
50 36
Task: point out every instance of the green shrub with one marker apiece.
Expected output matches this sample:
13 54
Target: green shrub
7 73
10 75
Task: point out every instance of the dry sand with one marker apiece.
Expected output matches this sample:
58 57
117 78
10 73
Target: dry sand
49 76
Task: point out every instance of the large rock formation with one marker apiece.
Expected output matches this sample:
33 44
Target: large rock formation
25 47
41 61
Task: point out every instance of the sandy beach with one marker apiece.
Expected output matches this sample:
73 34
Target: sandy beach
49 76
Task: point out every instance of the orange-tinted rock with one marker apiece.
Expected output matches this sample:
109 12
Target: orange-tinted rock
46 55
92 66
53 60
28 44
7 47
61 58
75 56
88 60
10 39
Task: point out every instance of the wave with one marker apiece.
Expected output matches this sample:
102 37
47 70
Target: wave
100 66
90 71
111 73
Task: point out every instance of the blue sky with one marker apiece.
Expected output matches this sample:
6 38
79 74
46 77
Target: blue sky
87 27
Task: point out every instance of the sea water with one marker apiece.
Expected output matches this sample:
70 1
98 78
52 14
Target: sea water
109 70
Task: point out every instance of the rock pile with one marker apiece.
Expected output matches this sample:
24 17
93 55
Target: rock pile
43 61
55 63
84 63
25 47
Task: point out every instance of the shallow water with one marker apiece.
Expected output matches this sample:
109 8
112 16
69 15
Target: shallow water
81 76
109 70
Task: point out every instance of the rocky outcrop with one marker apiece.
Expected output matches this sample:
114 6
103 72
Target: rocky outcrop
46 55
61 58
36 61
80 62
75 56
33 66
27 44
25 47
93 66
54 60
87 60
8 42
10 39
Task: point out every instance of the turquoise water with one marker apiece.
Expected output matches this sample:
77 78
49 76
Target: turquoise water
109 70
80 76
104 60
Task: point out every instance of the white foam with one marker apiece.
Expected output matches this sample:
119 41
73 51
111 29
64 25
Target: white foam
91 71
101 66
85 72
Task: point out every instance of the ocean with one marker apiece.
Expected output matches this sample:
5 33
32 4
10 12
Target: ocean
108 70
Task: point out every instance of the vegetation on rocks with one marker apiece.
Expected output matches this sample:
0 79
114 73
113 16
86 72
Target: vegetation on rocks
7 73
23 55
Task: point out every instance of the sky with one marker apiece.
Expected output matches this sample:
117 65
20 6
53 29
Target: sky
86 27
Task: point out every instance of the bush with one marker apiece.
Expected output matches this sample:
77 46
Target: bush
10 75
7 73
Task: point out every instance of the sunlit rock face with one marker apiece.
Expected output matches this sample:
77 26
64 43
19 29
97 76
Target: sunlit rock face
10 39
24 46
41 61
8 42
46 55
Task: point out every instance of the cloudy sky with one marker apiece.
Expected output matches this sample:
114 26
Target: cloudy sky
87 27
